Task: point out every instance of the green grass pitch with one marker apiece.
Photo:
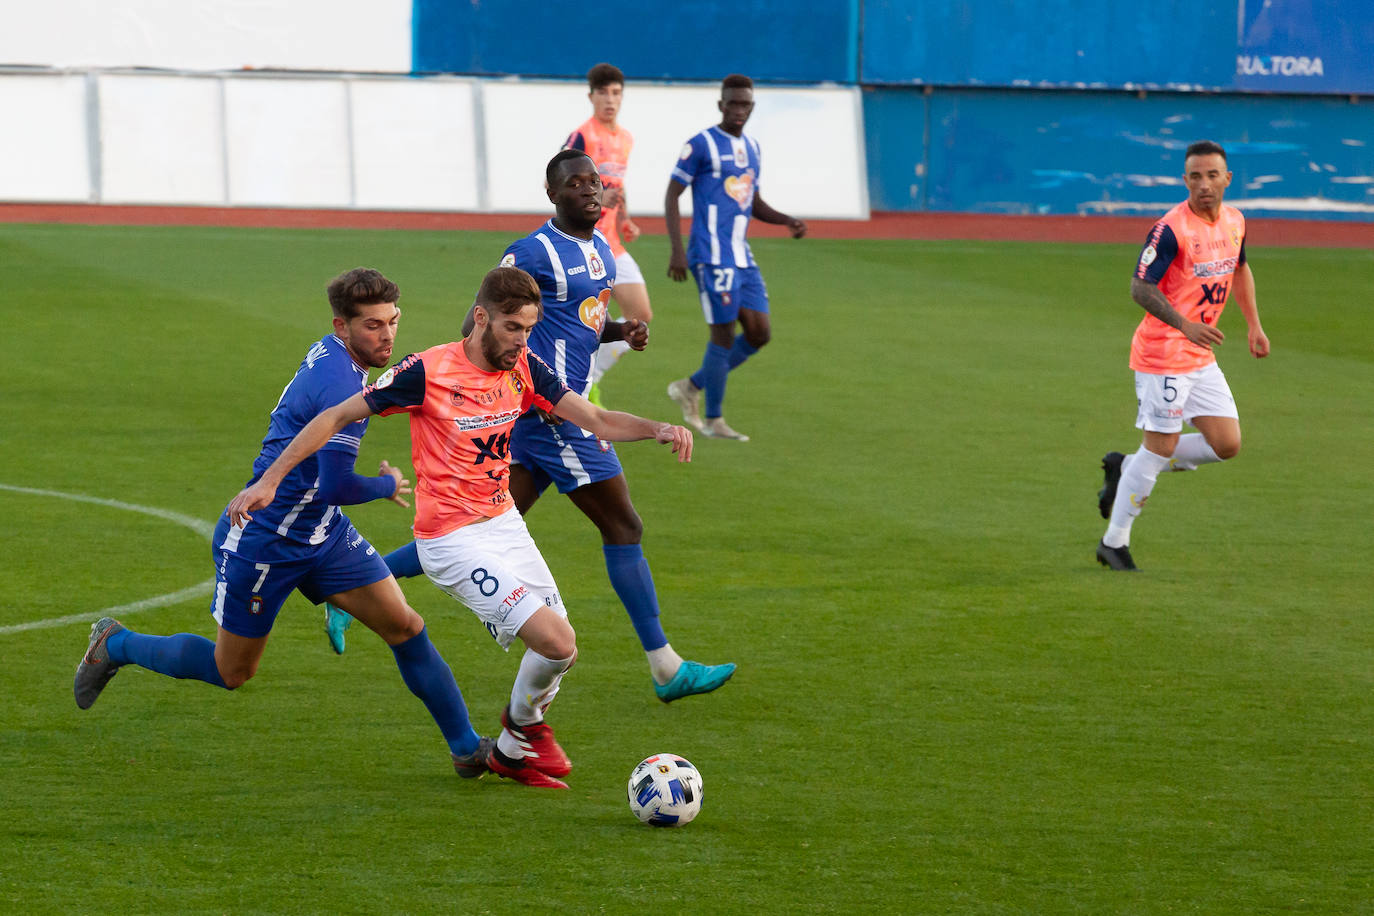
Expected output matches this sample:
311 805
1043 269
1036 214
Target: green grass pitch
943 704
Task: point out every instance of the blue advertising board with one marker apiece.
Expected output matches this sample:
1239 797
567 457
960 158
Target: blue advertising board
1060 152
1306 46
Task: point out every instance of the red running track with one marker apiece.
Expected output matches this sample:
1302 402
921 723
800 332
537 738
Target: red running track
990 226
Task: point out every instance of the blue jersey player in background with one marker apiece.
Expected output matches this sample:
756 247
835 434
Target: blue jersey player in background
721 164
303 541
575 270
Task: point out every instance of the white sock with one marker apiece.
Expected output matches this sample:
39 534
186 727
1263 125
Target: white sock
536 684
1138 474
1192 450
663 663
606 356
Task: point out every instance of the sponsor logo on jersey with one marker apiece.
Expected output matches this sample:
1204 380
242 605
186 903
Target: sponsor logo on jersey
741 188
1147 257
468 424
515 597
574 271
611 171
1215 268
592 310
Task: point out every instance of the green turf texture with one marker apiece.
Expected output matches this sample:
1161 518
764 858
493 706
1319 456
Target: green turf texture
943 704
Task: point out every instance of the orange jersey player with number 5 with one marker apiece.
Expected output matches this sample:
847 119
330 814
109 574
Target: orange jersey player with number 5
463 398
1193 259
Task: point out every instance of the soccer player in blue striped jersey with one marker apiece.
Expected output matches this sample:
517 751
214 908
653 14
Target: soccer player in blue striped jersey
303 541
721 165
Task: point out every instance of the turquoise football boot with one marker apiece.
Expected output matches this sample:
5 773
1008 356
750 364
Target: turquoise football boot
694 677
335 622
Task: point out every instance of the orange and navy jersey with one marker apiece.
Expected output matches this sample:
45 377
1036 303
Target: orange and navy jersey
1192 262
610 150
460 421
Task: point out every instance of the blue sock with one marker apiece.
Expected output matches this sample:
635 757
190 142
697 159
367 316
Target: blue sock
404 562
741 351
184 655
630 578
715 365
429 677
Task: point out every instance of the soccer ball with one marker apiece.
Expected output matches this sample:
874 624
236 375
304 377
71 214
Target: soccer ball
665 791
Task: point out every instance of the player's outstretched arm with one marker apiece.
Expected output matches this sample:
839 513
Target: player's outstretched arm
769 215
307 442
1243 290
618 426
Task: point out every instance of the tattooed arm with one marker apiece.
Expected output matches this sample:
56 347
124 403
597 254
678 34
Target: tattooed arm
1148 297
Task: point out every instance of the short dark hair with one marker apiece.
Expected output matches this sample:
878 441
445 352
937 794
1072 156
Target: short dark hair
736 81
560 157
507 290
1204 148
604 75
358 287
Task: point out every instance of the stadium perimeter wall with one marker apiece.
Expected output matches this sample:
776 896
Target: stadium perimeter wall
977 106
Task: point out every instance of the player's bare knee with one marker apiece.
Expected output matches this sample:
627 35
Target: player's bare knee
626 529
560 642
1228 449
407 626
758 339
235 678
562 646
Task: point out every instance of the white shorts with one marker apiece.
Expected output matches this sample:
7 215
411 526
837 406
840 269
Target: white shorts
1166 402
495 569
626 270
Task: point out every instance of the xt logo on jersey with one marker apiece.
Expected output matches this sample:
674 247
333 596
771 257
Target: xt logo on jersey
494 447
1214 293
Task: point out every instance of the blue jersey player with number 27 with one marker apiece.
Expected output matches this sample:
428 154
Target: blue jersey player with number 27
303 541
721 164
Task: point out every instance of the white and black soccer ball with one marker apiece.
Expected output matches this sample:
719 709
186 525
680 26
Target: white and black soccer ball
665 791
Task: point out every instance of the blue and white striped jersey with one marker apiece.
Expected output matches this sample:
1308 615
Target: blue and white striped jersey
723 172
327 376
575 279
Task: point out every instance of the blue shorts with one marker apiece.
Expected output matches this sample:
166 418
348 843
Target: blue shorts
561 453
726 290
249 595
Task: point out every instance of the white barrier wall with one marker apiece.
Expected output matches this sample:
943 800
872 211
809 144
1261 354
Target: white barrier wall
370 36
279 140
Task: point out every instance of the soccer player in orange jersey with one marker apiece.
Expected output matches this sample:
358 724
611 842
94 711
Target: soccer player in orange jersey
1193 258
608 144
463 398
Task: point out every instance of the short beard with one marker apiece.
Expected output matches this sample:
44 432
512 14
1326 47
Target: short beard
491 351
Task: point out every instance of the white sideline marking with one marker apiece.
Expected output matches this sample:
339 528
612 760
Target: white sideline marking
199 526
